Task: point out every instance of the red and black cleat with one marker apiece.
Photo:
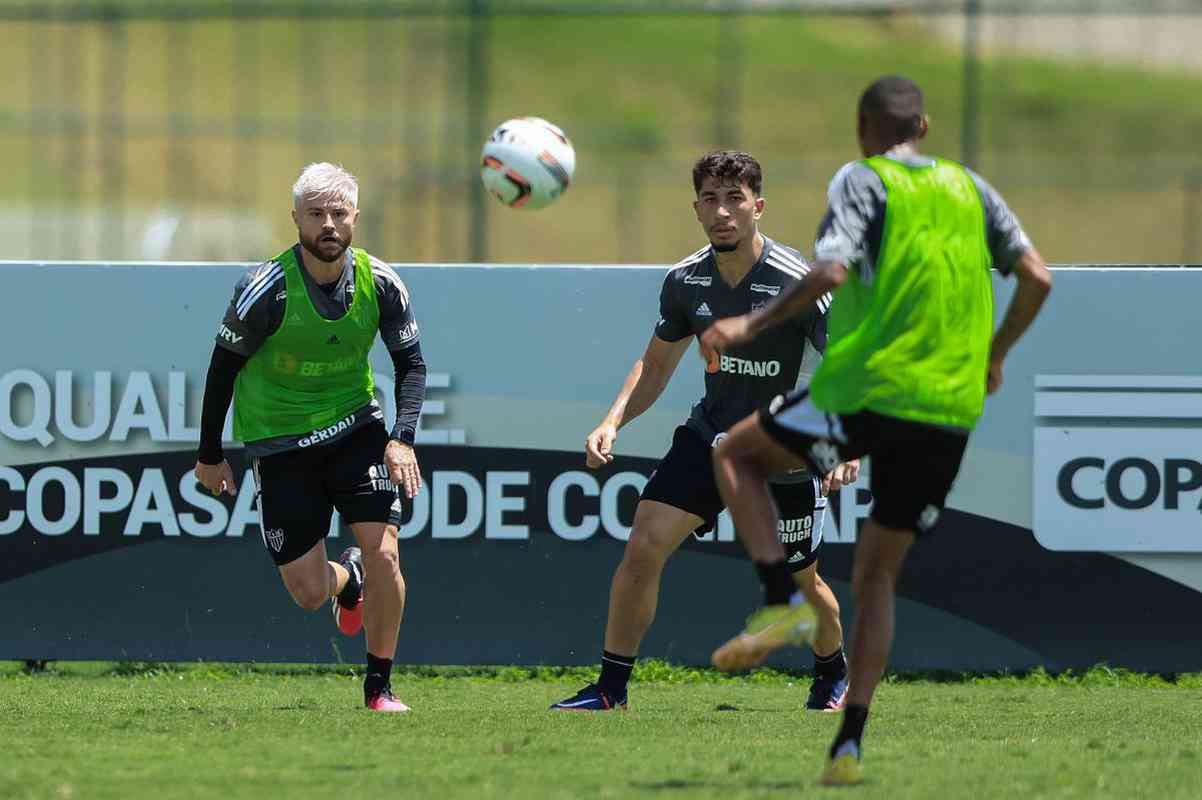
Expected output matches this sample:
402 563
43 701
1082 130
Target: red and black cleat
348 605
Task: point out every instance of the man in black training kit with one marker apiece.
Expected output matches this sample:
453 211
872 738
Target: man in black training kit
740 270
293 353
908 242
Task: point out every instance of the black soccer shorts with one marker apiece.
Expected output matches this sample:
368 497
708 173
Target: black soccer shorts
685 479
298 490
913 464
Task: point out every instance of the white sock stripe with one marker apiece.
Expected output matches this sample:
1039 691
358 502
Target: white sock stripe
616 661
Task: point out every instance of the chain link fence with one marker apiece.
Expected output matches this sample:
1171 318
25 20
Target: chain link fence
174 130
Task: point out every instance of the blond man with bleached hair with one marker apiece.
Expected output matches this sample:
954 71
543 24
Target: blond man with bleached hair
323 179
292 354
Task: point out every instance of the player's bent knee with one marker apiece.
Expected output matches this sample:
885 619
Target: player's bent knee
644 548
309 596
384 560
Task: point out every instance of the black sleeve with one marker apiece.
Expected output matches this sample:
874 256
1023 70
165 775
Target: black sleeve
673 323
255 311
398 326
219 391
410 391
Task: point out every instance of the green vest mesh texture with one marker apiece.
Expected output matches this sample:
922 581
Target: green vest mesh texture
312 372
911 338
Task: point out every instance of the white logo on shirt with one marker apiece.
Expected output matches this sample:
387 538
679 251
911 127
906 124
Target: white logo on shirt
703 310
745 366
409 332
228 335
699 280
764 288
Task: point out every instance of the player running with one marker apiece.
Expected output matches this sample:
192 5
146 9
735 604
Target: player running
741 269
907 241
293 353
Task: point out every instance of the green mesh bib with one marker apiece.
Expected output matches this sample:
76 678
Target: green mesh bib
312 372
912 338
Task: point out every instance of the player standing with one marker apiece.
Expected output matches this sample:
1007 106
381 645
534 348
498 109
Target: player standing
907 241
293 353
741 269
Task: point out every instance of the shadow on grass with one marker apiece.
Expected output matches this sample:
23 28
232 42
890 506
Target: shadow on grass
678 784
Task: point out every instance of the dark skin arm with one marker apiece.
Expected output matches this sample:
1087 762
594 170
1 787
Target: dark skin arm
1034 285
826 276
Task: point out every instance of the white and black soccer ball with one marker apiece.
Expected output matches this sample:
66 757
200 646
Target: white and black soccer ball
527 163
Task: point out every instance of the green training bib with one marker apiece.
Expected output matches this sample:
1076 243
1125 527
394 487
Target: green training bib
312 372
910 338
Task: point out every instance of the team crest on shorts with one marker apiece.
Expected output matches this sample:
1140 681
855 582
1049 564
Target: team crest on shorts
825 455
275 538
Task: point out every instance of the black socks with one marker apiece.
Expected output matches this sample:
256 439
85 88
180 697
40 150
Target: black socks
349 596
615 673
778 583
379 676
832 666
852 729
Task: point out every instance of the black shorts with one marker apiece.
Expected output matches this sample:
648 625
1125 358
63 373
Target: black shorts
913 463
299 489
685 479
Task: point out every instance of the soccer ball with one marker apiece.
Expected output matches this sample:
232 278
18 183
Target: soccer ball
527 163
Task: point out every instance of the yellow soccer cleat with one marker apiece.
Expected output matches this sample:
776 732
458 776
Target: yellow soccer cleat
768 630
842 771
844 768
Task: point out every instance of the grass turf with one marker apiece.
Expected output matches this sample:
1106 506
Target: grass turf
132 731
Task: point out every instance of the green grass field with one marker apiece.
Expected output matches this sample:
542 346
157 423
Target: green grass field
149 731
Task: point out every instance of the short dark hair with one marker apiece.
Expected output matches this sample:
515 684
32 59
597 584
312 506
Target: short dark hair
729 166
896 103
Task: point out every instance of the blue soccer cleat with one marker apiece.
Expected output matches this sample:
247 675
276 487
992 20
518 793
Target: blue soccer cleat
827 694
591 698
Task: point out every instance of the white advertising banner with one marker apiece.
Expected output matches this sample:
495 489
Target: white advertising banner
101 383
1118 463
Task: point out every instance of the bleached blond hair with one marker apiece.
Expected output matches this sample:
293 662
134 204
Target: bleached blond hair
324 179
